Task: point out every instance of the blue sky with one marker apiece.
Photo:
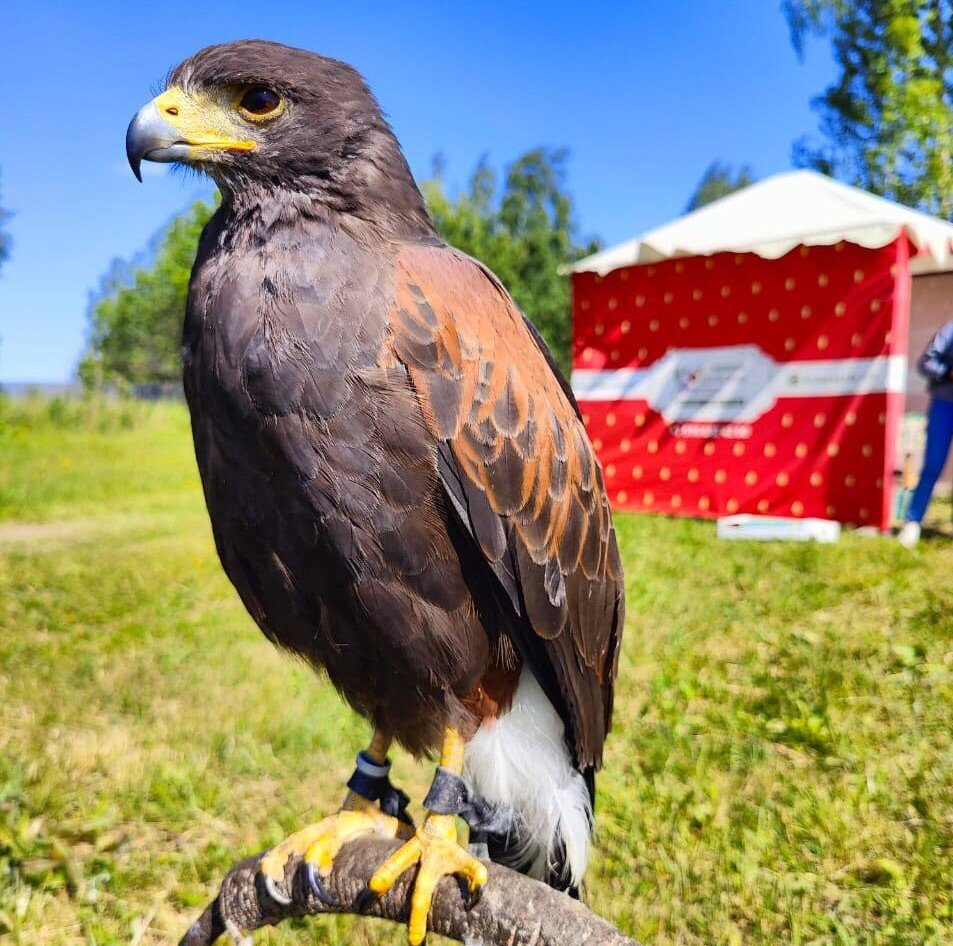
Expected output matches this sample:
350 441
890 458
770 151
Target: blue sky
645 95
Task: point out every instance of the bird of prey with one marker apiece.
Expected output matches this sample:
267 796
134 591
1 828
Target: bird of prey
397 474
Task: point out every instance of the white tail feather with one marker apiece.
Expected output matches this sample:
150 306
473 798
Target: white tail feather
521 760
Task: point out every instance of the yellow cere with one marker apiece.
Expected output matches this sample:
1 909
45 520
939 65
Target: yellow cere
204 122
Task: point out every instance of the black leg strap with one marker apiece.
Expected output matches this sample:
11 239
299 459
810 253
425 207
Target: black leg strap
450 795
370 780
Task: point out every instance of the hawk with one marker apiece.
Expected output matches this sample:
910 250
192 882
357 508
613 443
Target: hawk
397 474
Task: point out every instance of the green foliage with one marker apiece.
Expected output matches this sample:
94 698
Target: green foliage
523 230
888 117
779 769
719 180
136 326
24 415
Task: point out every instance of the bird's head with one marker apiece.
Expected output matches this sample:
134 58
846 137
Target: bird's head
253 113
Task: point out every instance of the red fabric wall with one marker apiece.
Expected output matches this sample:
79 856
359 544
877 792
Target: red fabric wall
822 316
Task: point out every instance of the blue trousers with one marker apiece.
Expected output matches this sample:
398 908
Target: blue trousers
939 438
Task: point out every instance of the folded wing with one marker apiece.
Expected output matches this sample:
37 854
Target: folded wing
521 477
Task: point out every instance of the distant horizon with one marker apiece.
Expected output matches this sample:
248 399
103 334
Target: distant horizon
24 388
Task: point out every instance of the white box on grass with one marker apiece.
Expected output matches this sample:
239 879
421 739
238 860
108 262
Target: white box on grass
778 529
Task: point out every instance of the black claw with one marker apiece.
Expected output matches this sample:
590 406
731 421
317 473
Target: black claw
473 896
316 886
271 888
364 900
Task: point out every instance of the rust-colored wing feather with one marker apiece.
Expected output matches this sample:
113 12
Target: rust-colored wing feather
520 473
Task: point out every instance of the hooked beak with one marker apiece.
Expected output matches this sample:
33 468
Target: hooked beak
175 126
150 137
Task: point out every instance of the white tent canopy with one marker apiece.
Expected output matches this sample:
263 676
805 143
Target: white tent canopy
779 213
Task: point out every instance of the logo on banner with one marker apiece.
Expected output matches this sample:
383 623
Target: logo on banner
711 385
721 392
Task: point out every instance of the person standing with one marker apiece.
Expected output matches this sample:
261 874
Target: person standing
936 365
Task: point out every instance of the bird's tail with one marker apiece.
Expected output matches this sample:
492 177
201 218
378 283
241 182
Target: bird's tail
521 761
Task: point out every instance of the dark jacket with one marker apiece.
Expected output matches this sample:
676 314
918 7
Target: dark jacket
936 363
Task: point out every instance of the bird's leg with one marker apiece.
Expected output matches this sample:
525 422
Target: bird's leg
372 806
435 847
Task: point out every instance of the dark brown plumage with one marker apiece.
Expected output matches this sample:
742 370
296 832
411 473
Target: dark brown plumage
399 481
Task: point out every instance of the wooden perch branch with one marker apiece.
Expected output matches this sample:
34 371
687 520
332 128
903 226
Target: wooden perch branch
514 910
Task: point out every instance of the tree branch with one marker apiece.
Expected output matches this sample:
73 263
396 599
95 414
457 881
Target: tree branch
514 910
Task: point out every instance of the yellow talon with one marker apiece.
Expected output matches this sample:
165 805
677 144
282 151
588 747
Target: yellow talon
319 843
401 860
436 847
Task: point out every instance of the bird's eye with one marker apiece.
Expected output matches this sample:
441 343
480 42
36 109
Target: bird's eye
260 100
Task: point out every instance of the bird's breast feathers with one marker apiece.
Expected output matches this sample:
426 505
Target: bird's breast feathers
286 332
409 369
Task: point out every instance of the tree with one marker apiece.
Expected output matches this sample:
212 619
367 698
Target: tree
136 319
888 117
4 238
524 231
718 181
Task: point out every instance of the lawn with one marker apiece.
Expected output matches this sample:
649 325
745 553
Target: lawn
781 769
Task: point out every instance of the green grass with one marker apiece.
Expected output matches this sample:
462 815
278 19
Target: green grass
781 769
